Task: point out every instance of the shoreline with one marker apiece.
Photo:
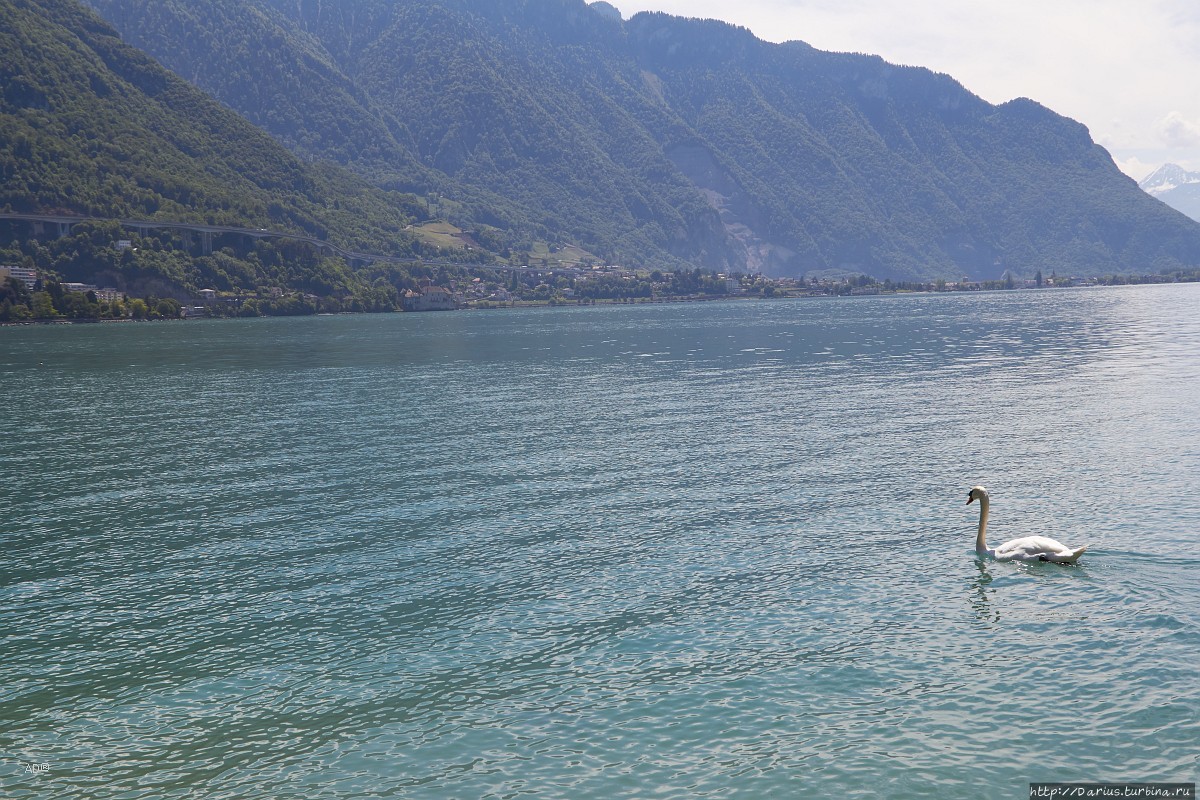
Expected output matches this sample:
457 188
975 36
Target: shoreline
531 304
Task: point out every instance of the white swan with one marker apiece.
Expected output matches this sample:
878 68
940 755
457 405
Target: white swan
1029 548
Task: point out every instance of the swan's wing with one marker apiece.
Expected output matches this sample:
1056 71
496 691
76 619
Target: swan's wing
1033 548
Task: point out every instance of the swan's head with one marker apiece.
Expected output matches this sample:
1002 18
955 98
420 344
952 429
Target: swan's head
976 493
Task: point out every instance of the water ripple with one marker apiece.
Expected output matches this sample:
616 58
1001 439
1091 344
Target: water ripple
691 551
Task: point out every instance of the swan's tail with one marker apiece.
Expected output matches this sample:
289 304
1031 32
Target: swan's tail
1075 554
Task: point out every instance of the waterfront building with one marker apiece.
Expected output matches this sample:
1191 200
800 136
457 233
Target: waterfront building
430 298
23 274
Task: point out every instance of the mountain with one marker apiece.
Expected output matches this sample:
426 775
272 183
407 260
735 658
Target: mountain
1176 187
476 123
92 126
606 9
663 141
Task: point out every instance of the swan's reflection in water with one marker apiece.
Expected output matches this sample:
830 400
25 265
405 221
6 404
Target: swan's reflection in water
980 597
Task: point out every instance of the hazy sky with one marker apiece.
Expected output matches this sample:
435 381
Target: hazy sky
1128 69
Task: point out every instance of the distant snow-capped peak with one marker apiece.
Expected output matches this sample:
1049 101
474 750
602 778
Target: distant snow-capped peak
1166 178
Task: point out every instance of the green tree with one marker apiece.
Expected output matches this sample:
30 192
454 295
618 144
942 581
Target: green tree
42 306
75 305
10 312
14 291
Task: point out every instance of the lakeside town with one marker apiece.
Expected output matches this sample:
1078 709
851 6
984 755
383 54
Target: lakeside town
30 295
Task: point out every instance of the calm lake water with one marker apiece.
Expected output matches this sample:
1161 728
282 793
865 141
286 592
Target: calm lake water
709 550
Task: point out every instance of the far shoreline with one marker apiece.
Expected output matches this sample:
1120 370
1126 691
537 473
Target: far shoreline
548 304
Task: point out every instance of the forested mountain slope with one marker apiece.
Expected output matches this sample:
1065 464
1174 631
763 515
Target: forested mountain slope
92 126
662 141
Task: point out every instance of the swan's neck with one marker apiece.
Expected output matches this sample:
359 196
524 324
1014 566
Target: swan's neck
981 537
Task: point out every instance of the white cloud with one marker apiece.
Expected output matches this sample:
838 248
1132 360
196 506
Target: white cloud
1135 168
1177 131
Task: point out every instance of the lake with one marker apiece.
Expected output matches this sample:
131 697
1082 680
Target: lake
681 551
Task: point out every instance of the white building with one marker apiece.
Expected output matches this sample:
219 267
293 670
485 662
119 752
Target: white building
430 298
24 275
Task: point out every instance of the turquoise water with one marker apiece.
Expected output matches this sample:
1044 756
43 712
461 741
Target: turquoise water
709 550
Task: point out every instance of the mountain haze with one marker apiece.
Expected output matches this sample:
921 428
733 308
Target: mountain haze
665 141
